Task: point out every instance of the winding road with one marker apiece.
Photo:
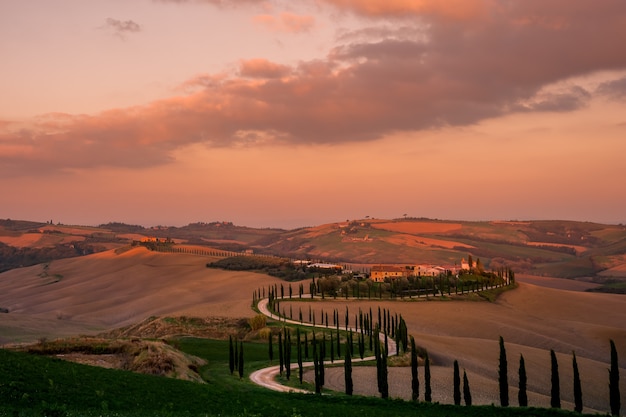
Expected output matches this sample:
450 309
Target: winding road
266 377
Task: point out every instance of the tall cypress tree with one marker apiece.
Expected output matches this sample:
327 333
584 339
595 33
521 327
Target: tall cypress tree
347 366
427 391
270 347
522 396
555 392
316 367
300 367
415 384
287 354
280 352
578 390
457 384
231 355
503 376
241 360
614 395
467 395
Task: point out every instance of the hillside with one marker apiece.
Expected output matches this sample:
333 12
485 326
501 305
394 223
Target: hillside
549 248
101 292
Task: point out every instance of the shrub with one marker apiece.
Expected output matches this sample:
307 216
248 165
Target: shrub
257 322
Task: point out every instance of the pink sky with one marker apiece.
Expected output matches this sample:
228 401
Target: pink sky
284 114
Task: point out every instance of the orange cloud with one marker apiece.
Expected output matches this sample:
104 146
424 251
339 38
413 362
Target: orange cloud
365 89
286 22
456 9
262 68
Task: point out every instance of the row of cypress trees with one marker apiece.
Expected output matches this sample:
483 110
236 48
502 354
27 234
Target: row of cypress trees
555 386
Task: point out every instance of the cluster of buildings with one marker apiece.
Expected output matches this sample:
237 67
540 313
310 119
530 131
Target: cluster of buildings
380 273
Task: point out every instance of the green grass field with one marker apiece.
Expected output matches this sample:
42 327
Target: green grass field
32 385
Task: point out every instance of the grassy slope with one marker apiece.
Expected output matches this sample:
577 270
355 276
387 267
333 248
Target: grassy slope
33 385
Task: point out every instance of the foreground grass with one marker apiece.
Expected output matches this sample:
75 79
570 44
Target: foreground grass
32 385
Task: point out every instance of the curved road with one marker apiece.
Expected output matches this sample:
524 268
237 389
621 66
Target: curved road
266 377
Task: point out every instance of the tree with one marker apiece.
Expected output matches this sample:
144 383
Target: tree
522 396
427 391
231 355
270 347
578 391
503 376
467 395
347 366
614 395
415 384
555 392
241 360
281 359
457 384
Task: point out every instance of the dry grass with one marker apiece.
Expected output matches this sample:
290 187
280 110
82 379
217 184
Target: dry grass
106 290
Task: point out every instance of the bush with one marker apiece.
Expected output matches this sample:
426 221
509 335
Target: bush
257 322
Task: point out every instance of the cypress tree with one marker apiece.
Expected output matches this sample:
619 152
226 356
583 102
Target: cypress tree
614 395
347 366
555 392
231 355
427 391
384 375
338 344
270 348
306 345
241 360
503 376
522 397
321 364
236 355
578 391
457 384
281 359
300 370
318 385
287 354
467 395
332 348
415 384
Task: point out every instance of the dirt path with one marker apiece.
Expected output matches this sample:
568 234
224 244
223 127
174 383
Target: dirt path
266 377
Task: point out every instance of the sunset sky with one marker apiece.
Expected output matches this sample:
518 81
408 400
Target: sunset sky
283 113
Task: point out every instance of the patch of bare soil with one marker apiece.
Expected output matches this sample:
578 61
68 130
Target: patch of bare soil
135 355
168 327
418 227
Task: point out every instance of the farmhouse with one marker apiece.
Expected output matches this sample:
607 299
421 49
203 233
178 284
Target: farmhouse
378 273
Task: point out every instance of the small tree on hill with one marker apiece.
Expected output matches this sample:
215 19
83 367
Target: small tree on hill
415 384
457 384
578 391
231 355
427 391
241 360
467 395
503 376
614 395
522 396
555 392
347 366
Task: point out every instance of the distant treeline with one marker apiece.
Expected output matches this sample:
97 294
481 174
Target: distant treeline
12 257
278 267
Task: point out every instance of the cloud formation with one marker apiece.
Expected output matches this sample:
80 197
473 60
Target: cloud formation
285 22
122 27
442 70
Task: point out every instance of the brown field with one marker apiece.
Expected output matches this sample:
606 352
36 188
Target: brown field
577 248
416 241
91 294
417 228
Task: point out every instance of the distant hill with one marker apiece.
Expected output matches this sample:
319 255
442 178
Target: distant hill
557 248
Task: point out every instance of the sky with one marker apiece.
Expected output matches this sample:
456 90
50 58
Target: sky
282 113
